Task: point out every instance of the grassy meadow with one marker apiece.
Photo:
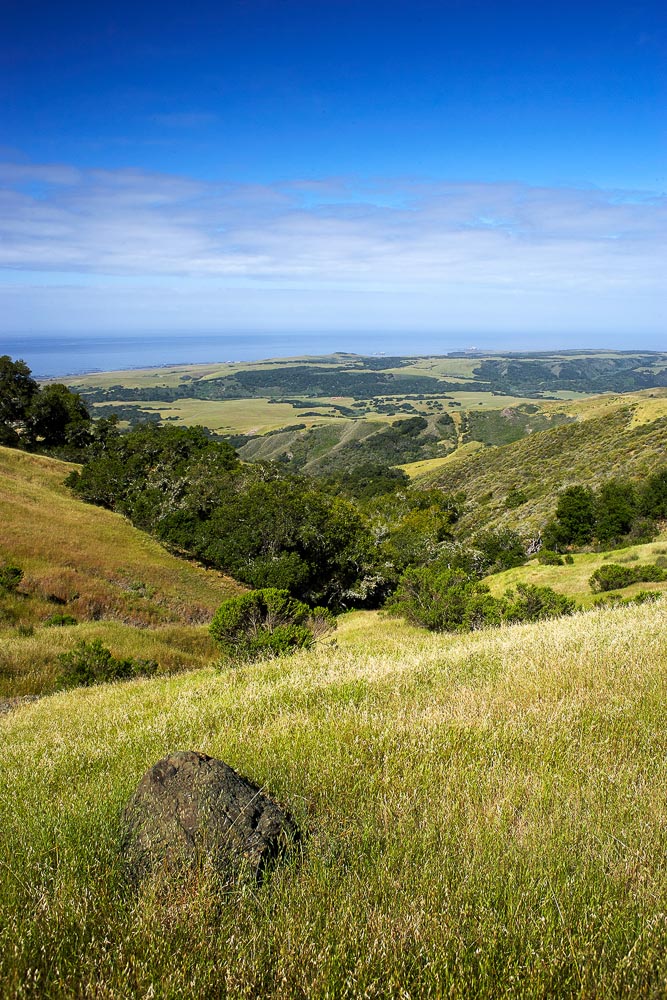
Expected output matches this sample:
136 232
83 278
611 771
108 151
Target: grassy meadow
573 579
484 816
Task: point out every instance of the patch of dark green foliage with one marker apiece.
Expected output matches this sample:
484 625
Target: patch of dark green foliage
92 663
267 622
615 600
614 576
618 512
450 600
10 578
548 558
49 418
60 620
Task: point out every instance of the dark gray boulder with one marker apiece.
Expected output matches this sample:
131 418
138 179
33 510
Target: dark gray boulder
190 809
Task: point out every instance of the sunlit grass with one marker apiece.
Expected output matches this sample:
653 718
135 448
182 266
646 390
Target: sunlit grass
90 560
484 815
572 579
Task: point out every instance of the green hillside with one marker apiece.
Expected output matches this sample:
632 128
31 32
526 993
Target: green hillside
89 563
483 815
573 579
622 441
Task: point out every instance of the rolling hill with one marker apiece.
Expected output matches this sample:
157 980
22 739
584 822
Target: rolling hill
93 565
611 436
483 815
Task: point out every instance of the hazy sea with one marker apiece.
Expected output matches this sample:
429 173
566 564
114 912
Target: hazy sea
71 355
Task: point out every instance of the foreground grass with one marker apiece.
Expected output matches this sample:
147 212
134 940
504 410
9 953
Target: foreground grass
485 817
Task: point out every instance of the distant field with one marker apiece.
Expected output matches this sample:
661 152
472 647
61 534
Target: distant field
481 393
258 415
239 416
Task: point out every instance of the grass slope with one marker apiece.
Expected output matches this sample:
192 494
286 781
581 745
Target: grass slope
572 580
586 451
485 817
92 564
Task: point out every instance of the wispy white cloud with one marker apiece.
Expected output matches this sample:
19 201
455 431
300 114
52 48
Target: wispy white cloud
454 243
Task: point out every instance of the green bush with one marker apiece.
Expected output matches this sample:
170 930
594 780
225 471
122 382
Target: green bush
515 498
615 600
267 622
10 577
546 557
612 577
499 550
530 603
450 600
615 576
60 620
568 559
91 663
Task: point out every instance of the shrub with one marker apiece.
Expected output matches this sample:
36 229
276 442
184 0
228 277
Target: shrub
500 550
448 600
60 620
515 498
645 597
267 622
25 631
615 600
91 663
611 577
529 603
643 530
568 559
10 577
549 558
614 576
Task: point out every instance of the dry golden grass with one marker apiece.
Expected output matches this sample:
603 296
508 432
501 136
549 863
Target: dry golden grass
484 817
89 559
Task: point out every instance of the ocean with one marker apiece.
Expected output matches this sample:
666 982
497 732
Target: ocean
57 357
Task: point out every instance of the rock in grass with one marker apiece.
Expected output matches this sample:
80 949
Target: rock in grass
190 809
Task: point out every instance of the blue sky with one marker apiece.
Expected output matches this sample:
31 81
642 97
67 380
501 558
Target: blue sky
271 165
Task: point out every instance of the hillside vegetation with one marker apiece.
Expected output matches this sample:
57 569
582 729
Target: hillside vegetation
573 579
584 452
484 815
93 565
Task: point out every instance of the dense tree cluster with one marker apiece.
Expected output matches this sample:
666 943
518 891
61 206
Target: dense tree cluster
265 527
619 510
49 417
